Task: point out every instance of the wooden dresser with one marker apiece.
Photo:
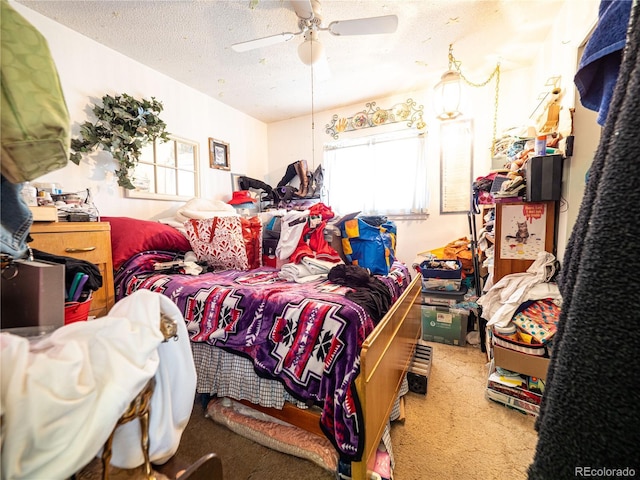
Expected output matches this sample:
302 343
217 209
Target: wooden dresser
90 241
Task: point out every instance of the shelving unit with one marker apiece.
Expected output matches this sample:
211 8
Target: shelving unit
484 210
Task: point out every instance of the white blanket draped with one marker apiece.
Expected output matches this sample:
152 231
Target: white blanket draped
62 395
502 300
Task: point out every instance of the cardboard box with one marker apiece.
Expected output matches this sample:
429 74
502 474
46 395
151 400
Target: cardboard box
334 239
34 296
444 325
44 214
530 365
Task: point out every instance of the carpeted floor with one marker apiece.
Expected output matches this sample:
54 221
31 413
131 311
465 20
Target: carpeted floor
453 432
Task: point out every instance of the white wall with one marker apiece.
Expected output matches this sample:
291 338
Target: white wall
573 23
89 70
587 135
575 168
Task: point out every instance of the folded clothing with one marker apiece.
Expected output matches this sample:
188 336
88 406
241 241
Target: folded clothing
308 270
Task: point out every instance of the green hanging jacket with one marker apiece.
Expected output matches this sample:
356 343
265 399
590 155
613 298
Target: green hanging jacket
35 126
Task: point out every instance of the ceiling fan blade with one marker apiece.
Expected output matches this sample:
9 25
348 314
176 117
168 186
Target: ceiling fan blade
364 26
303 8
263 42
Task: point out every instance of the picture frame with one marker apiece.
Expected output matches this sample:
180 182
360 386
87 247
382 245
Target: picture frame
523 231
456 166
219 154
511 255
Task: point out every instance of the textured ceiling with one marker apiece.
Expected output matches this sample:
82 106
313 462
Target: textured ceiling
190 41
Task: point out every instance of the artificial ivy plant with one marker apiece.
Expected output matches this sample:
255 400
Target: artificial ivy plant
124 125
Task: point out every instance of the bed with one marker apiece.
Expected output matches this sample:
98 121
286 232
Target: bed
322 347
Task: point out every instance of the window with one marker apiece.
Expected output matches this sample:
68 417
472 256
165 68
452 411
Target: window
383 174
167 171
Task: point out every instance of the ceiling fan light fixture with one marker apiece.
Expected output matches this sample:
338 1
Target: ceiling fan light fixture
311 50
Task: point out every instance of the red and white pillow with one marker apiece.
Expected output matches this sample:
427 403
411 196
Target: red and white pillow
226 243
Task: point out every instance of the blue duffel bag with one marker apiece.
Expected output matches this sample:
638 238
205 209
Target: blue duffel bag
370 242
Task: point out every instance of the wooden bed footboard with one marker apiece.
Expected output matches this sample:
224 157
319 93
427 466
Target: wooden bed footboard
386 355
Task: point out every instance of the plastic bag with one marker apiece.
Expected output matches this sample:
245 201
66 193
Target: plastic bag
370 242
35 120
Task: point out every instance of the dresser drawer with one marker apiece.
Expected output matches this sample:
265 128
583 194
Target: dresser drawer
89 241
87 246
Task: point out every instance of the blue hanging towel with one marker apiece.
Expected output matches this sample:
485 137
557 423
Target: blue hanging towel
600 62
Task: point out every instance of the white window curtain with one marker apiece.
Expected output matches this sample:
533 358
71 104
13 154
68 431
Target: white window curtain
385 175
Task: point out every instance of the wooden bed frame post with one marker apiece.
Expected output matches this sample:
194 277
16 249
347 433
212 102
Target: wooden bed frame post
386 355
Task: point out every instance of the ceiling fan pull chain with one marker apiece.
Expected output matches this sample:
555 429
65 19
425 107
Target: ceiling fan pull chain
313 123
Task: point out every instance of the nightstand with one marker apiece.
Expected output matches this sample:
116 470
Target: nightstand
90 241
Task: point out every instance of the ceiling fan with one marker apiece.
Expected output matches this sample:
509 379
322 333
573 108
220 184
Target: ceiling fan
309 15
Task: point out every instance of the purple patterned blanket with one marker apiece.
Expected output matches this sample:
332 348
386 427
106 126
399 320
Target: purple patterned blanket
308 336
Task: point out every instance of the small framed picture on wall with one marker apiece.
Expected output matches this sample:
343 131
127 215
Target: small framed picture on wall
219 154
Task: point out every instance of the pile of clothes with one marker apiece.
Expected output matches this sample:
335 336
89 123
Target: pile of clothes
309 185
302 234
523 309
